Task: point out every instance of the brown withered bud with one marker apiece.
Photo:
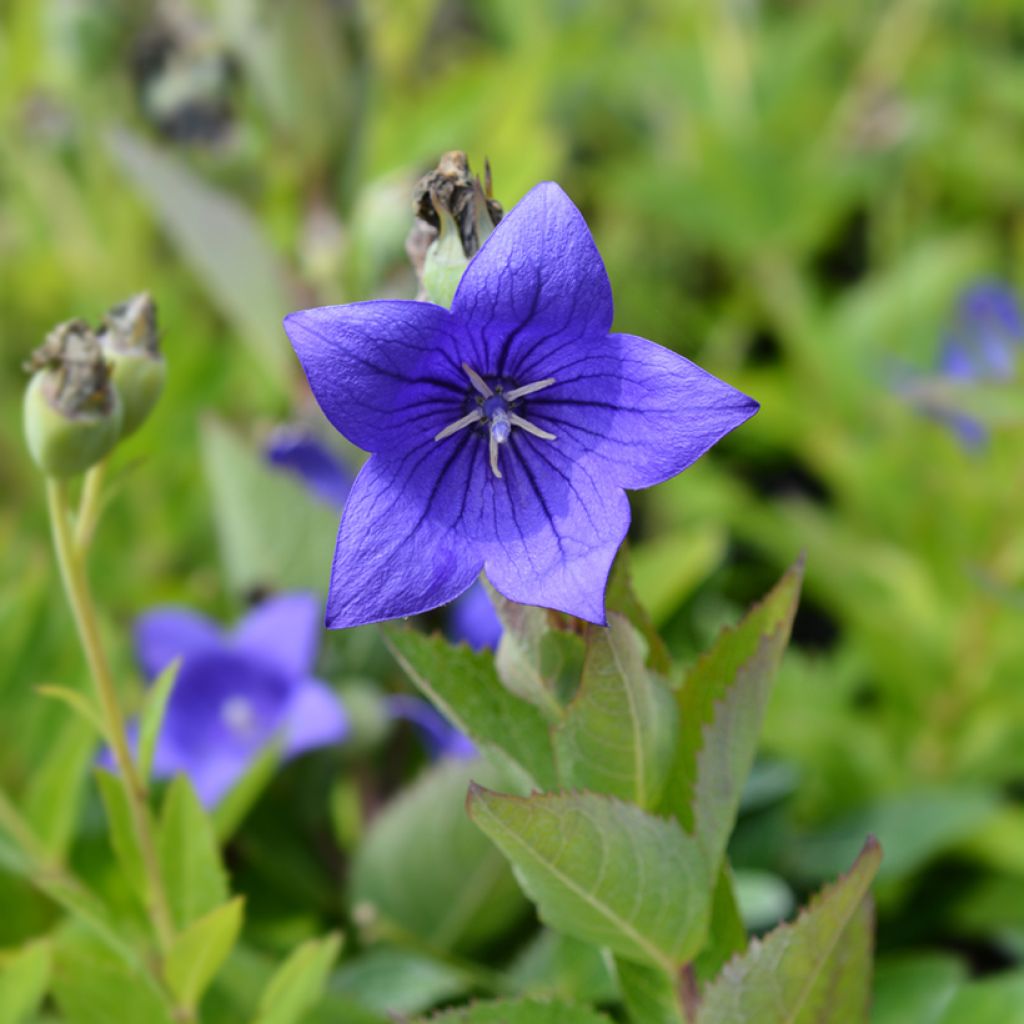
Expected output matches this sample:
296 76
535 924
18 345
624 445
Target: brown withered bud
452 190
79 378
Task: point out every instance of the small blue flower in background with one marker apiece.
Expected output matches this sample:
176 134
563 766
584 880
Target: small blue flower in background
981 346
301 453
441 739
505 431
238 691
472 619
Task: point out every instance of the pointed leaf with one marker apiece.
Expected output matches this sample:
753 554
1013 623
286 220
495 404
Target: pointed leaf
24 978
425 867
273 534
618 733
651 996
525 1011
223 244
621 597
721 703
727 934
79 703
152 719
200 950
816 970
296 986
191 862
603 871
234 806
122 831
463 684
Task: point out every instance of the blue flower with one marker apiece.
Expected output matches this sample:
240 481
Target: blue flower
301 453
238 692
472 619
504 432
441 739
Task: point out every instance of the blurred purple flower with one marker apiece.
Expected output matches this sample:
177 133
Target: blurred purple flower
504 431
238 692
301 453
441 739
472 619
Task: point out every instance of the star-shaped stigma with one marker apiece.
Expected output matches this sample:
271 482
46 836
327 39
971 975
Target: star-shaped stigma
504 431
495 410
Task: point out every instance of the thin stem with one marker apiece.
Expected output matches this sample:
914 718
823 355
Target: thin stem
77 589
89 507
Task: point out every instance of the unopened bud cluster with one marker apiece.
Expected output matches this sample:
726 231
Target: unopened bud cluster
90 388
455 212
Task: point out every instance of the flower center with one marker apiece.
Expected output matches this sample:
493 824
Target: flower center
238 714
496 408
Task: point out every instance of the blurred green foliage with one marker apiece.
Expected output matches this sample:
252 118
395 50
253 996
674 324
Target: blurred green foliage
791 193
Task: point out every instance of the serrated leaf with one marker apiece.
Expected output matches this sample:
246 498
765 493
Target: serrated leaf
463 684
189 858
79 703
272 533
91 987
524 1011
425 867
24 979
298 983
122 831
535 661
54 796
618 733
721 704
726 934
152 718
650 995
603 871
200 950
222 243
816 970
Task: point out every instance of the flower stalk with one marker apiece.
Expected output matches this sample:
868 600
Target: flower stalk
72 570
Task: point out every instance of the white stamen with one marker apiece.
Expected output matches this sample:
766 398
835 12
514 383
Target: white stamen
453 428
530 428
494 456
528 389
477 381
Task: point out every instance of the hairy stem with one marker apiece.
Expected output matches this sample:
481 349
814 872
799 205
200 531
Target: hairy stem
72 571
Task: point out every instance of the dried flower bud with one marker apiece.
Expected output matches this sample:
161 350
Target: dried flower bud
454 215
72 411
131 344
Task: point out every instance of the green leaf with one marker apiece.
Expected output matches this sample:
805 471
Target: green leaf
463 684
272 533
54 796
558 966
298 983
223 244
397 981
618 733
233 807
424 867
189 857
621 597
24 979
536 661
915 988
79 703
651 996
153 717
200 950
816 970
91 987
721 703
122 835
995 1000
604 871
726 934
524 1011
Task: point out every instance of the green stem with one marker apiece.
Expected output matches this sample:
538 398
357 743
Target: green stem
89 507
76 587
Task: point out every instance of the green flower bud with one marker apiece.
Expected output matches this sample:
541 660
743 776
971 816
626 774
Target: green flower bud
131 345
455 214
72 412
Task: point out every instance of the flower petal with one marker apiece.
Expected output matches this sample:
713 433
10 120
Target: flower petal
539 275
635 410
214 776
385 373
283 631
402 547
549 529
472 619
163 634
314 718
307 457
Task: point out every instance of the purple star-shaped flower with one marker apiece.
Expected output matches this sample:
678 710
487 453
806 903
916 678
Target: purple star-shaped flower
503 432
237 692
